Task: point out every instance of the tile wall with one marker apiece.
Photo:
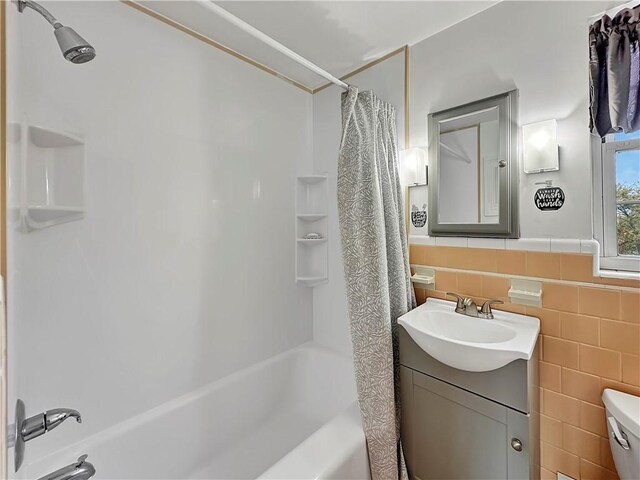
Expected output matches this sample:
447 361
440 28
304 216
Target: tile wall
590 340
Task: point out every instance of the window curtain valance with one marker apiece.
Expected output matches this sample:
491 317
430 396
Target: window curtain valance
614 67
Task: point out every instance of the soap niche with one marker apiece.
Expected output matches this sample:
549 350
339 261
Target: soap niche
46 177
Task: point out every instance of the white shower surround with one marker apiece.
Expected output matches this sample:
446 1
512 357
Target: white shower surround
290 417
182 270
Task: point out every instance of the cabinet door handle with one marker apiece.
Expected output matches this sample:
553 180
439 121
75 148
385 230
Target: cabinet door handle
516 444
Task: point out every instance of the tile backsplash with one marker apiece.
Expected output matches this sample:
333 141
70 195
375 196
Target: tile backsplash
589 334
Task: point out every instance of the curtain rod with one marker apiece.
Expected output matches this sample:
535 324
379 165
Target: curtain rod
254 32
613 11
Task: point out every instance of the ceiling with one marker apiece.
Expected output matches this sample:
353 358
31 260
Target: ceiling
338 36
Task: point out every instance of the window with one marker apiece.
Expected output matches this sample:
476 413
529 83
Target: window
618 216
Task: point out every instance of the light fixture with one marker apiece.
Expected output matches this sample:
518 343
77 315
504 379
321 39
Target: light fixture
413 166
540 147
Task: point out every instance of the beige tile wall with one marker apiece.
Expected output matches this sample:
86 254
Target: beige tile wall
590 334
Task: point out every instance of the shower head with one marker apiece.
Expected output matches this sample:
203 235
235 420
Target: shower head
74 48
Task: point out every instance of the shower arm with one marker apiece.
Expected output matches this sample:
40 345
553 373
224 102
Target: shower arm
22 4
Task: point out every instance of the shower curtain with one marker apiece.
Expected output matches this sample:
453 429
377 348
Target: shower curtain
376 264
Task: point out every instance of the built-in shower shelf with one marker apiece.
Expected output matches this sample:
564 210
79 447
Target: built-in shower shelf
312 281
46 138
43 214
311 241
35 217
312 265
311 217
312 179
46 186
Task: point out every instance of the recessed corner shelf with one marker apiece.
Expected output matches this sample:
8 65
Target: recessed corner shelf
46 187
311 217
312 179
45 138
51 213
311 241
312 281
312 259
36 217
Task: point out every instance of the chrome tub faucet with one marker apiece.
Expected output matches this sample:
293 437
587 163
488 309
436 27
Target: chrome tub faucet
25 429
41 423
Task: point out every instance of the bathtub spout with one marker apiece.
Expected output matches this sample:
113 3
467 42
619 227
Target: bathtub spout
80 470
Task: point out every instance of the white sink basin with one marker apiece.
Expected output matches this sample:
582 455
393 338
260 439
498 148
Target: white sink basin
470 343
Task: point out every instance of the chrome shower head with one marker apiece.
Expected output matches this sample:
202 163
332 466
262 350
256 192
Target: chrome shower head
74 48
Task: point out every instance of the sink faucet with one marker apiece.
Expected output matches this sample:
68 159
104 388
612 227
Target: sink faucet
467 306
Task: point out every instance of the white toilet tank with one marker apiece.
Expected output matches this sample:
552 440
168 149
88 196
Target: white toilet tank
623 424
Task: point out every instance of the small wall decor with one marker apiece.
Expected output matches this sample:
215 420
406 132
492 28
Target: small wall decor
418 210
419 216
549 198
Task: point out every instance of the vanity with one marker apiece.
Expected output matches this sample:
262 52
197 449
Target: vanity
469 394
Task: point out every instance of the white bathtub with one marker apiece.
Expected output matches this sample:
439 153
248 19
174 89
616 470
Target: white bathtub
292 416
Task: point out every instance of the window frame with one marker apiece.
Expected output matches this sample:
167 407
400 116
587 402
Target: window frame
605 204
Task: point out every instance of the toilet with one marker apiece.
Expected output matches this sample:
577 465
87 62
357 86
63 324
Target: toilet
623 425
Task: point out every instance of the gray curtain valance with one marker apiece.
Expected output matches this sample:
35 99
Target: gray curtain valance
614 68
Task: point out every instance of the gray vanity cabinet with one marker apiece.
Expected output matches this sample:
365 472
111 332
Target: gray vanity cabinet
464 425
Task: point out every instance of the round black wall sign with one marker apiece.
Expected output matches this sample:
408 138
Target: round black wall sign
551 198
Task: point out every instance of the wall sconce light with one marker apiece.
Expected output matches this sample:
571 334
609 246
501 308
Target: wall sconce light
413 166
540 147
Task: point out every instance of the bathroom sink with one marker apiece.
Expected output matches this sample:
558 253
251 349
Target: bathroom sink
470 343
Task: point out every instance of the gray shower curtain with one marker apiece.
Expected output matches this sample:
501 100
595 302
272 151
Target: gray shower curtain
614 72
376 265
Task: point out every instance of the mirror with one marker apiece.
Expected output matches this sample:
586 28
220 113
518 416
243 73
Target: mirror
473 177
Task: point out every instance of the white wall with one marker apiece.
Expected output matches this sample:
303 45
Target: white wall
330 318
183 269
541 48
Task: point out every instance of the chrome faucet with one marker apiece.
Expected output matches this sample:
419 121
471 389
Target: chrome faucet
25 429
80 470
41 423
467 306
